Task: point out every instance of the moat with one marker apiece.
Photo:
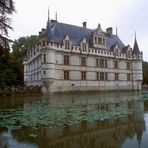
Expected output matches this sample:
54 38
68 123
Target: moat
92 120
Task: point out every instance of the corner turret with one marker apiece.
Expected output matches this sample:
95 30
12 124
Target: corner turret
136 50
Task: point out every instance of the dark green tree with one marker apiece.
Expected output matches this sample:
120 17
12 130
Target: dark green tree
20 46
145 72
7 74
19 49
6 9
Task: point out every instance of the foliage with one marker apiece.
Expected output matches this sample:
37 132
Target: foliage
11 65
19 49
6 8
7 74
54 116
145 72
21 45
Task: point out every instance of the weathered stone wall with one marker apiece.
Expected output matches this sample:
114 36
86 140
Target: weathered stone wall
16 90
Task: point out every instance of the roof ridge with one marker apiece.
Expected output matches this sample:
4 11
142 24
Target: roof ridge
75 26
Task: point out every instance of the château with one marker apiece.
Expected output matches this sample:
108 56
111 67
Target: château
71 58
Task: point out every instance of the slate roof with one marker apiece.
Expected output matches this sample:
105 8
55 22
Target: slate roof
58 31
136 48
113 40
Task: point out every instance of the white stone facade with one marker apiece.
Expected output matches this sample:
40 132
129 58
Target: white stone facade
62 67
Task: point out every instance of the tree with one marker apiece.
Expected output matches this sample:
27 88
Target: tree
7 73
6 9
19 49
21 45
145 72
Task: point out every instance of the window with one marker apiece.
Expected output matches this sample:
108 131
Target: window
103 41
95 40
66 59
83 75
67 44
44 58
66 75
44 72
83 61
43 43
116 64
103 63
106 76
100 40
128 65
103 76
128 77
116 76
97 76
128 54
97 62
83 46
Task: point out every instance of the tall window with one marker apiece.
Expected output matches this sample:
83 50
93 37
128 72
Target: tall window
66 59
83 46
103 41
97 62
128 65
116 76
106 76
44 58
97 76
83 61
103 63
67 44
103 76
95 40
66 75
116 64
83 75
128 77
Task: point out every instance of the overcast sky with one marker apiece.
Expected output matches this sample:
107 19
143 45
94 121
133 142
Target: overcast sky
127 15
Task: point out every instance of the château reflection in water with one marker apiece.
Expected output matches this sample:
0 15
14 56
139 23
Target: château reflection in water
92 120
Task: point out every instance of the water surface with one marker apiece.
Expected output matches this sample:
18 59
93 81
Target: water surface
92 120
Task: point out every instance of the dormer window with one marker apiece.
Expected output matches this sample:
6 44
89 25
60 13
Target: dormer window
129 52
116 51
67 44
103 41
99 40
83 46
95 40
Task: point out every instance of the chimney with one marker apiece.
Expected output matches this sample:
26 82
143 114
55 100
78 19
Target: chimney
40 33
84 24
109 30
43 29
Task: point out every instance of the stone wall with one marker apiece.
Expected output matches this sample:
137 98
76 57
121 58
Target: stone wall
16 90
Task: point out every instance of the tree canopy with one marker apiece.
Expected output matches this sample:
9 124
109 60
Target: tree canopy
19 49
11 65
145 72
6 9
21 45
